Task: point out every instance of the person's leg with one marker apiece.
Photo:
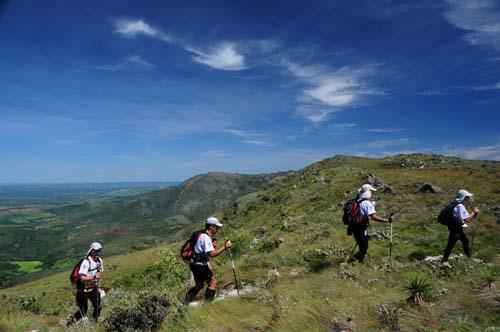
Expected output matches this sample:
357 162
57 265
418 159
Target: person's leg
95 298
362 240
81 301
199 283
452 240
465 243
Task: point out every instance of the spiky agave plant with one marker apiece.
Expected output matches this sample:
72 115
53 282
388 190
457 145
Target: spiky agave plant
419 291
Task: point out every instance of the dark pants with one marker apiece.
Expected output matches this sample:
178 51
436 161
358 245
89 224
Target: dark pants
454 236
361 237
202 274
82 301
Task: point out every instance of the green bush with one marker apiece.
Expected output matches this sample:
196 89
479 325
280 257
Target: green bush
29 303
147 314
169 269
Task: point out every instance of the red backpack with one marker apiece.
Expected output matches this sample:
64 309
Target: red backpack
187 248
352 212
74 277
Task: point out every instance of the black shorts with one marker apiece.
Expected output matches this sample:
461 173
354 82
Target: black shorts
201 273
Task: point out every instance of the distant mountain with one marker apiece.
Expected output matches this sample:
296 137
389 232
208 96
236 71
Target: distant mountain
55 235
197 197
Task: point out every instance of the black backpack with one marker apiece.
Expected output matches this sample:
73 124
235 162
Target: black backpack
187 249
446 216
352 213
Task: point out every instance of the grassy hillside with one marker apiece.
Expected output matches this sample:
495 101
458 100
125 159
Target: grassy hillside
57 235
290 248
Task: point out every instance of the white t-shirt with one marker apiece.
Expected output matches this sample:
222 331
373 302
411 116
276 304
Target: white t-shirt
366 208
460 212
90 268
204 244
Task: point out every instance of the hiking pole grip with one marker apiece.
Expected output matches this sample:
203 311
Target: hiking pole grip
234 271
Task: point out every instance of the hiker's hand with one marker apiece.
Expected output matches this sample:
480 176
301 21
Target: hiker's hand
98 275
476 211
228 244
391 218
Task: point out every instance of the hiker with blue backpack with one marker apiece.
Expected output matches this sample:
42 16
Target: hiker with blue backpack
199 250
86 275
456 216
357 214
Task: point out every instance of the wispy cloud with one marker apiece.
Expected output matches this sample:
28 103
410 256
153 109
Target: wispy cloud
127 63
433 92
134 28
386 130
491 152
481 18
329 91
488 87
212 154
222 55
259 143
387 143
341 128
243 133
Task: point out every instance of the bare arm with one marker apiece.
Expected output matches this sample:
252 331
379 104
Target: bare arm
378 218
217 252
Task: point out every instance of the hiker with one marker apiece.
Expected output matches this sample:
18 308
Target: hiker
366 200
459 222
87 286
200 266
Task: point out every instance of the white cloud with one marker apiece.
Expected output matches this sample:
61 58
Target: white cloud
392 142
386 130
488 87
211 154
259 143
329 91
133 28
242 133
491 152
222 56
127 63
481 18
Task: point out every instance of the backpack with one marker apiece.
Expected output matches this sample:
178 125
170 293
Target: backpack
352 213
73 276
446 216
187 248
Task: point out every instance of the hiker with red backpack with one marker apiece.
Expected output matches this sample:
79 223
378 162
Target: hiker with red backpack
86 275
199 250
455 216
357 214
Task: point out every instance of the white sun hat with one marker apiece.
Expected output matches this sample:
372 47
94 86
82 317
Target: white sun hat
94 246
461 194
366 187
213 221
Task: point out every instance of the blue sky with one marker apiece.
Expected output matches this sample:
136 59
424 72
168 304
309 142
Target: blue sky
163 90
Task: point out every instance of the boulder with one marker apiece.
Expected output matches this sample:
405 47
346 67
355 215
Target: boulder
430 188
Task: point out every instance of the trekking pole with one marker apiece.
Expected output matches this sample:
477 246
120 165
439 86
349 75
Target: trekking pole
390 243
234 271
474 227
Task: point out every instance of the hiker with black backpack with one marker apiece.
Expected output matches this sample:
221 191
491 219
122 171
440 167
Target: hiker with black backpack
86 275
455 216
357 214
199 250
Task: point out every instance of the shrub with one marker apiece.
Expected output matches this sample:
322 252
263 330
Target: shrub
389 317
29 303
268 244
320 258
169 269
147 314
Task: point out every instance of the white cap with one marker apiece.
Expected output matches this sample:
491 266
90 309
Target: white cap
461 194
365 188
94 246
213 221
